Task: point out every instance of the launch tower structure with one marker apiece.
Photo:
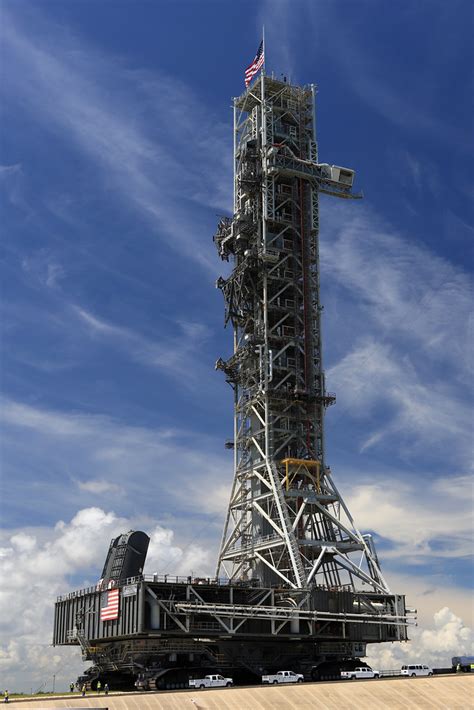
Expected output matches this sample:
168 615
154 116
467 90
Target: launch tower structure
286 522
296 585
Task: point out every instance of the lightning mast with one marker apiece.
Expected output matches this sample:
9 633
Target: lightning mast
286 522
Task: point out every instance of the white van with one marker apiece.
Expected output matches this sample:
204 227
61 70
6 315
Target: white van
416 669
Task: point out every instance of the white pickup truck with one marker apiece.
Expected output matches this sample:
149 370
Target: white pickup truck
211 681
283 677
360 673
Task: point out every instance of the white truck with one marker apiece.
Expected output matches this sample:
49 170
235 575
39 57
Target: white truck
211 681
283 677
360 672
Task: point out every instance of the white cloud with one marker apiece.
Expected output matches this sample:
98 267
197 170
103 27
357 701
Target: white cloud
101 326
165 556
43 561
85 97
171 353
458 487
100 486
12 183
6 170
434 645
37 566
182 465
408 372
40 564
419 530
418 174
23 542
420 410
46 422
449 634
44 268
360 374
405 289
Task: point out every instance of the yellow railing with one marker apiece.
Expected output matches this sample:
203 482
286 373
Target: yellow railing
305 467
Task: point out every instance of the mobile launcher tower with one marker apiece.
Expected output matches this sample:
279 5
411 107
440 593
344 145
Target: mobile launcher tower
296 583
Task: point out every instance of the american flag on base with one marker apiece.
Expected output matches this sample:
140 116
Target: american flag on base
109 605
257 64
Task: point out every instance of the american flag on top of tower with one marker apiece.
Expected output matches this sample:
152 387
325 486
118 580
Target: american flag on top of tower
256 65
109 605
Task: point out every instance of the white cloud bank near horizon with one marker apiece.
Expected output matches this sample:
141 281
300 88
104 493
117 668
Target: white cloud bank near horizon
38 564
434 645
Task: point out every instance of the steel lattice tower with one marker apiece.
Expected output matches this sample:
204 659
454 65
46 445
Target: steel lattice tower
286 520
301 587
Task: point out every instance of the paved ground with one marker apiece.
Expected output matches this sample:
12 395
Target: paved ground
442 692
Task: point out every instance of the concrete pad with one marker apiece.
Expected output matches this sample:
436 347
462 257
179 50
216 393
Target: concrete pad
454 692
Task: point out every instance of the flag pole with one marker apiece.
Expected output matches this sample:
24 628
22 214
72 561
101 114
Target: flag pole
264 55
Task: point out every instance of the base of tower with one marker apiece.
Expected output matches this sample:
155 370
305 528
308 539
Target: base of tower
169 628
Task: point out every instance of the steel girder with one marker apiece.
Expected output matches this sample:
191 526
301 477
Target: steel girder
295 532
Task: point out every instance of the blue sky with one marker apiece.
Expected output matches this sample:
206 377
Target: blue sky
116 162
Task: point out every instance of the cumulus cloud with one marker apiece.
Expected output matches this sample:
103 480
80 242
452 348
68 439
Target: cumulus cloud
433 645
23 542
37 566
181 465
165 556
448 634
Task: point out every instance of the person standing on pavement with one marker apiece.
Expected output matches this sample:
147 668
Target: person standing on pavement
106 689
71 687
83 690
99 686
6 697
